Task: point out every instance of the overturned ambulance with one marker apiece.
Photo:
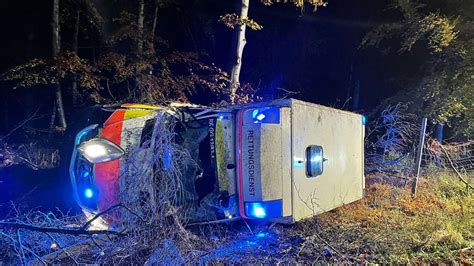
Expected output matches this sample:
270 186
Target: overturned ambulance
279 161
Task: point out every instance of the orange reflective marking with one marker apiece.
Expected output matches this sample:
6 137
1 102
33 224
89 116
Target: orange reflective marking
117 116
107 173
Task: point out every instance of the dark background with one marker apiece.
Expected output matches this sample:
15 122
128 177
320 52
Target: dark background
299 50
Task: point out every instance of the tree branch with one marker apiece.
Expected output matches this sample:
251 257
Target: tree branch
69 231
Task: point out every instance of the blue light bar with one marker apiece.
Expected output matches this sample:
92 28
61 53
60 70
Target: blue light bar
258 211
88 193
264 209
254 113
266 115
364 120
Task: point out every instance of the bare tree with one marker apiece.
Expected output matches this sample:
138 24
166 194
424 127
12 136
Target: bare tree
56 49
141 18
155 20
75 40
241 21
241 41
390 141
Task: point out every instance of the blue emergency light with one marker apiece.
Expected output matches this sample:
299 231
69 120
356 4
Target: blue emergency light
260 117
264 209
258 211
88 193
266 115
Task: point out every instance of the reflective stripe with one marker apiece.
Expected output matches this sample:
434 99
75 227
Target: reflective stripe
123 129
141 106
239 164
134 113
106 173
117 116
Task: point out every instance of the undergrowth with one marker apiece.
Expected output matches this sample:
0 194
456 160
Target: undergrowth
390 226
387 226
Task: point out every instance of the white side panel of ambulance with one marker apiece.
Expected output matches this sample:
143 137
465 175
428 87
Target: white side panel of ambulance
297 160
341 136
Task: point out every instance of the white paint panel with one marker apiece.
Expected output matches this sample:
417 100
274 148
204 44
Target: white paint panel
340 134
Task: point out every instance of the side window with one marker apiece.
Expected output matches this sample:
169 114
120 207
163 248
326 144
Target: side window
314 160
145 139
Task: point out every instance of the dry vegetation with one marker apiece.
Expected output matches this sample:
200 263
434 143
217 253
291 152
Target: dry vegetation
387 226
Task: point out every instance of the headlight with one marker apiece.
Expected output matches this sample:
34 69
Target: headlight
100 150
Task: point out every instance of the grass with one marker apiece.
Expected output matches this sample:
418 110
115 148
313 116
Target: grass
387 226
390 226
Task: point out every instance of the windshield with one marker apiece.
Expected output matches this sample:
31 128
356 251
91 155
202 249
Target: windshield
205 139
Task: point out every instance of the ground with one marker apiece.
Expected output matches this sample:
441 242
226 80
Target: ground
387 226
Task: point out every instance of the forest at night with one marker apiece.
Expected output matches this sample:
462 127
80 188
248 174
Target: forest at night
236 131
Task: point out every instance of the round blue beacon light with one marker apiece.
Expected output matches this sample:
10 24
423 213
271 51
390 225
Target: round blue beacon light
88 193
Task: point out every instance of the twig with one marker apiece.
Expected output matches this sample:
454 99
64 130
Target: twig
69 231
108 89
95 243
301 249
27 249
456 170
272 225
75 249
21 124
216 221
465 249
62 248
344 105
248 227
329 245
20 245
134 213
88 223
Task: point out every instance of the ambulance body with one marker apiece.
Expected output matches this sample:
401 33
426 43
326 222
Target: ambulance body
279 161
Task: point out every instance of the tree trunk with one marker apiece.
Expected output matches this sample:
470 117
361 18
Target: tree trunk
5 107
56 49
155 20
241 41
56 41
60 107
141 18
75 40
